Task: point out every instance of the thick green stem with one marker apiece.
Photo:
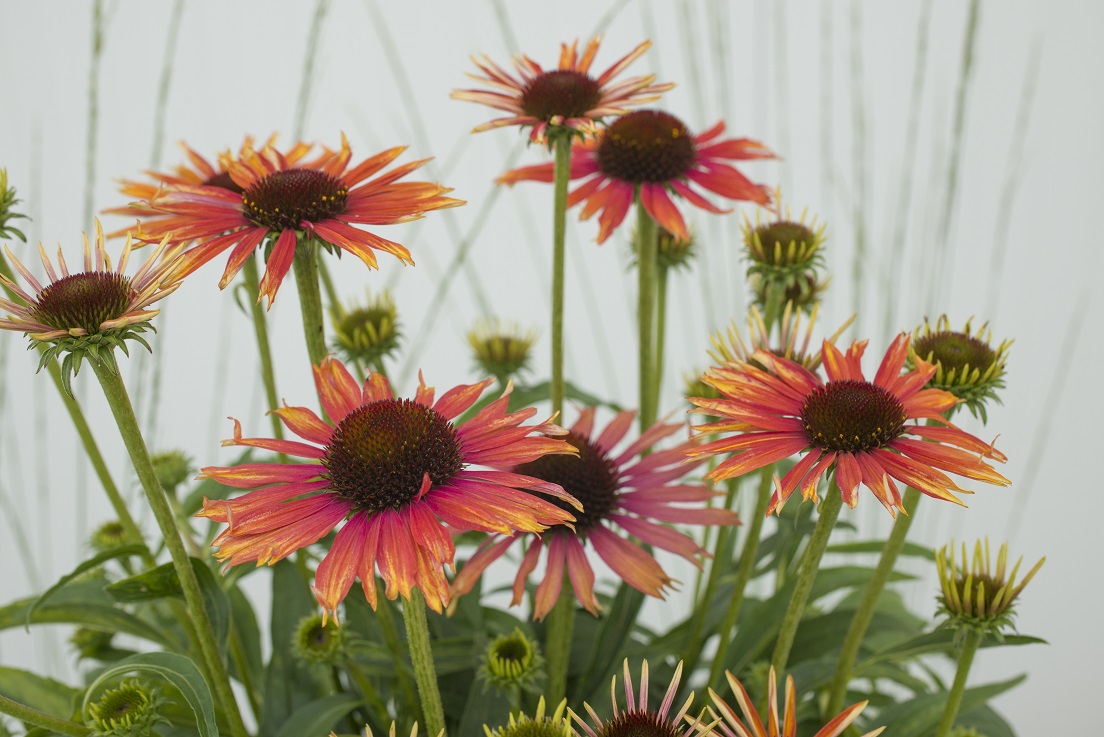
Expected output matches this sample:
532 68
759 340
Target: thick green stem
557 648
810 566
646 311
865 612
562 173
121 408
264 349
743 575
661 331
310 299
954 698
421 657
38 718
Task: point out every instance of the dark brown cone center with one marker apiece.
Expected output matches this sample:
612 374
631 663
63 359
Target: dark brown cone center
851 416
85 300
284 199
637 723
562 92
954 350
646 146
591 477
380 453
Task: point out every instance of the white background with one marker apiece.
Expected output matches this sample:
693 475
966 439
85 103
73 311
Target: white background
830 86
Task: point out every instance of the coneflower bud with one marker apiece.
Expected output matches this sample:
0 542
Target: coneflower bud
975 594
784 258
109 535
556 725
8 201
500 348
131 710
367 334
966 364
511 662
172 468
318 642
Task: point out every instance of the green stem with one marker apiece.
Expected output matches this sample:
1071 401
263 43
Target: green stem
121 408
421 657
360 678
810 566
237 652
747 567
264 349
954 698
561 175
391 637
38 718
310 299
772 310
646 311
557 647
331 291
661 330
865 611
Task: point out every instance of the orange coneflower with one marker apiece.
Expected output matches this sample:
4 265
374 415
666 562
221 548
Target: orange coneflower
567 97
393 470
653 153
283 197
627 489
857 428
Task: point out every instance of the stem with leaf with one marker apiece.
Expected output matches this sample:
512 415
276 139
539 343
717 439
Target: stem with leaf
107 371
24 713
954 698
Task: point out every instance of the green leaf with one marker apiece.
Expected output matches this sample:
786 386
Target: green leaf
319 717
45 694
939 641
116 552
612 633
920 715
876 546
178 670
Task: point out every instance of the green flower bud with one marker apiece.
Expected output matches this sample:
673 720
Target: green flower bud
501 349
368 334
130 710
172 468
966 364
319 641
557 725
511 661
976 595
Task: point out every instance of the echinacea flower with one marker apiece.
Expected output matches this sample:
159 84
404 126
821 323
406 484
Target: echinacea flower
198 171
83 312
974 593
282 199
857 428
567 97
653 152
628 489
751 725
393 470
636 718
966 363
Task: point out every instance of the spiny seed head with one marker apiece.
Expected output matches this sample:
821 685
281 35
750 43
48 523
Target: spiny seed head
130 710
381 452
539 725
367 334
975 594
591 477
850 416
319 641
91 643
646 146
561 93
501 349
511 661
284 199
85 300
966 363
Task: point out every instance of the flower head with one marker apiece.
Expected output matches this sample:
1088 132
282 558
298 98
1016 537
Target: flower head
501 349
109 535
283 198
966 363
627 489
857 428
319 641
92 311
172 467
393 470
974 593
567 98
653 152
195 172
8 201
391 733
751 725
636 718
129 710
540 725
368 333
